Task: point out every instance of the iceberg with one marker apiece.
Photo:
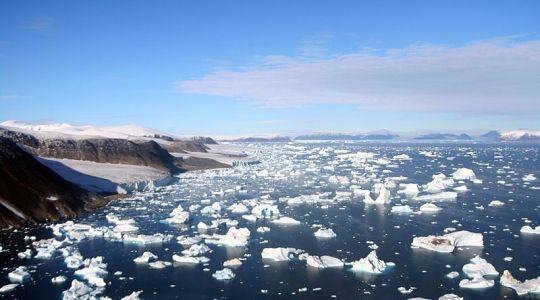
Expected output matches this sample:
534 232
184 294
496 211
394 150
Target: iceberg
479 267
382 198
145 258
529 230
464 174
429 208
225 274
232 263
325 233
401 209
280 253
323 262
20 275
286 221
79 290
369 264
234 238
8 288
448 242
442 196
190 259
521 288
94 271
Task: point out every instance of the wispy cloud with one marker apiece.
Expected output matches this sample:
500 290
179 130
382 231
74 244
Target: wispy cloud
497 76
43 24
8 97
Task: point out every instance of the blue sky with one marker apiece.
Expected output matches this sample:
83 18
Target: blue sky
259 67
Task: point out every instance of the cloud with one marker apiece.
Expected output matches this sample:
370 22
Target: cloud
499 76
44 24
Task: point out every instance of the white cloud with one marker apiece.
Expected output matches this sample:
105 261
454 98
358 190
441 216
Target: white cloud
40 24
493 76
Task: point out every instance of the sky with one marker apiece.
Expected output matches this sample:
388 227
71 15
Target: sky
233 68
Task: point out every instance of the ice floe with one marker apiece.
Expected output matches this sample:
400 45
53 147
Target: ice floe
521 288
369 264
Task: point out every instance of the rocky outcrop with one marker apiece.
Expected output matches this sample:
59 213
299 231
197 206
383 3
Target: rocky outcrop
204 140
102 150
30 192
184 146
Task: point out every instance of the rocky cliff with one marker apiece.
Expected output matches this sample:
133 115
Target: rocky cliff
102 150
30 192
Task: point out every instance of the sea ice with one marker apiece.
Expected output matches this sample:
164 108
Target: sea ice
145 258
234 238
225 274
369 264
442 196
322 262
286 221
529 230
429 208
94 271
401 209
325 233
448 242
8 288
20 275
279 254
232 263
463 174
479 267
521 288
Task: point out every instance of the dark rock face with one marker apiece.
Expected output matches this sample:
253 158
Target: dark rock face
102 150
204 140
30 192
179 146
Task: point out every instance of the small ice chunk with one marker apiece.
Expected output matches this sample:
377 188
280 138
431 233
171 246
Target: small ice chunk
286 221
463 174
450 297
401 209
133 296
225 274
145 258
232 263
429 208
529 230
325 233
59 279
263 229
20 275
8 288
452 275
496 203
442 196
476 283
159 264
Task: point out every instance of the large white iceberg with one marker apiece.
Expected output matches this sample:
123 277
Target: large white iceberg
322 262
448 242
280 253
521 288
369 264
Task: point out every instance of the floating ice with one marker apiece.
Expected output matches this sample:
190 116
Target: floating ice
20 275
145 258
429 208
142 239
263 229
59 279
369 264
280 254
196 250
79 290
521 288
382 198
132 296
286 221
178 216
159 264
529 230
232 263
463 174
479 267
8 288
94 271
410 190
448 242
225 274
529 177
190 259
325 261
234 238
401 209
450 297
442 196
265 211
325 233
476 283
496 203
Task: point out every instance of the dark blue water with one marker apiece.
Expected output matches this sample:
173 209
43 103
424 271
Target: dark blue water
353 222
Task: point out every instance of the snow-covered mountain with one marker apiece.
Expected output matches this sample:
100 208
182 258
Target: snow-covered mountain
63 130
521 135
